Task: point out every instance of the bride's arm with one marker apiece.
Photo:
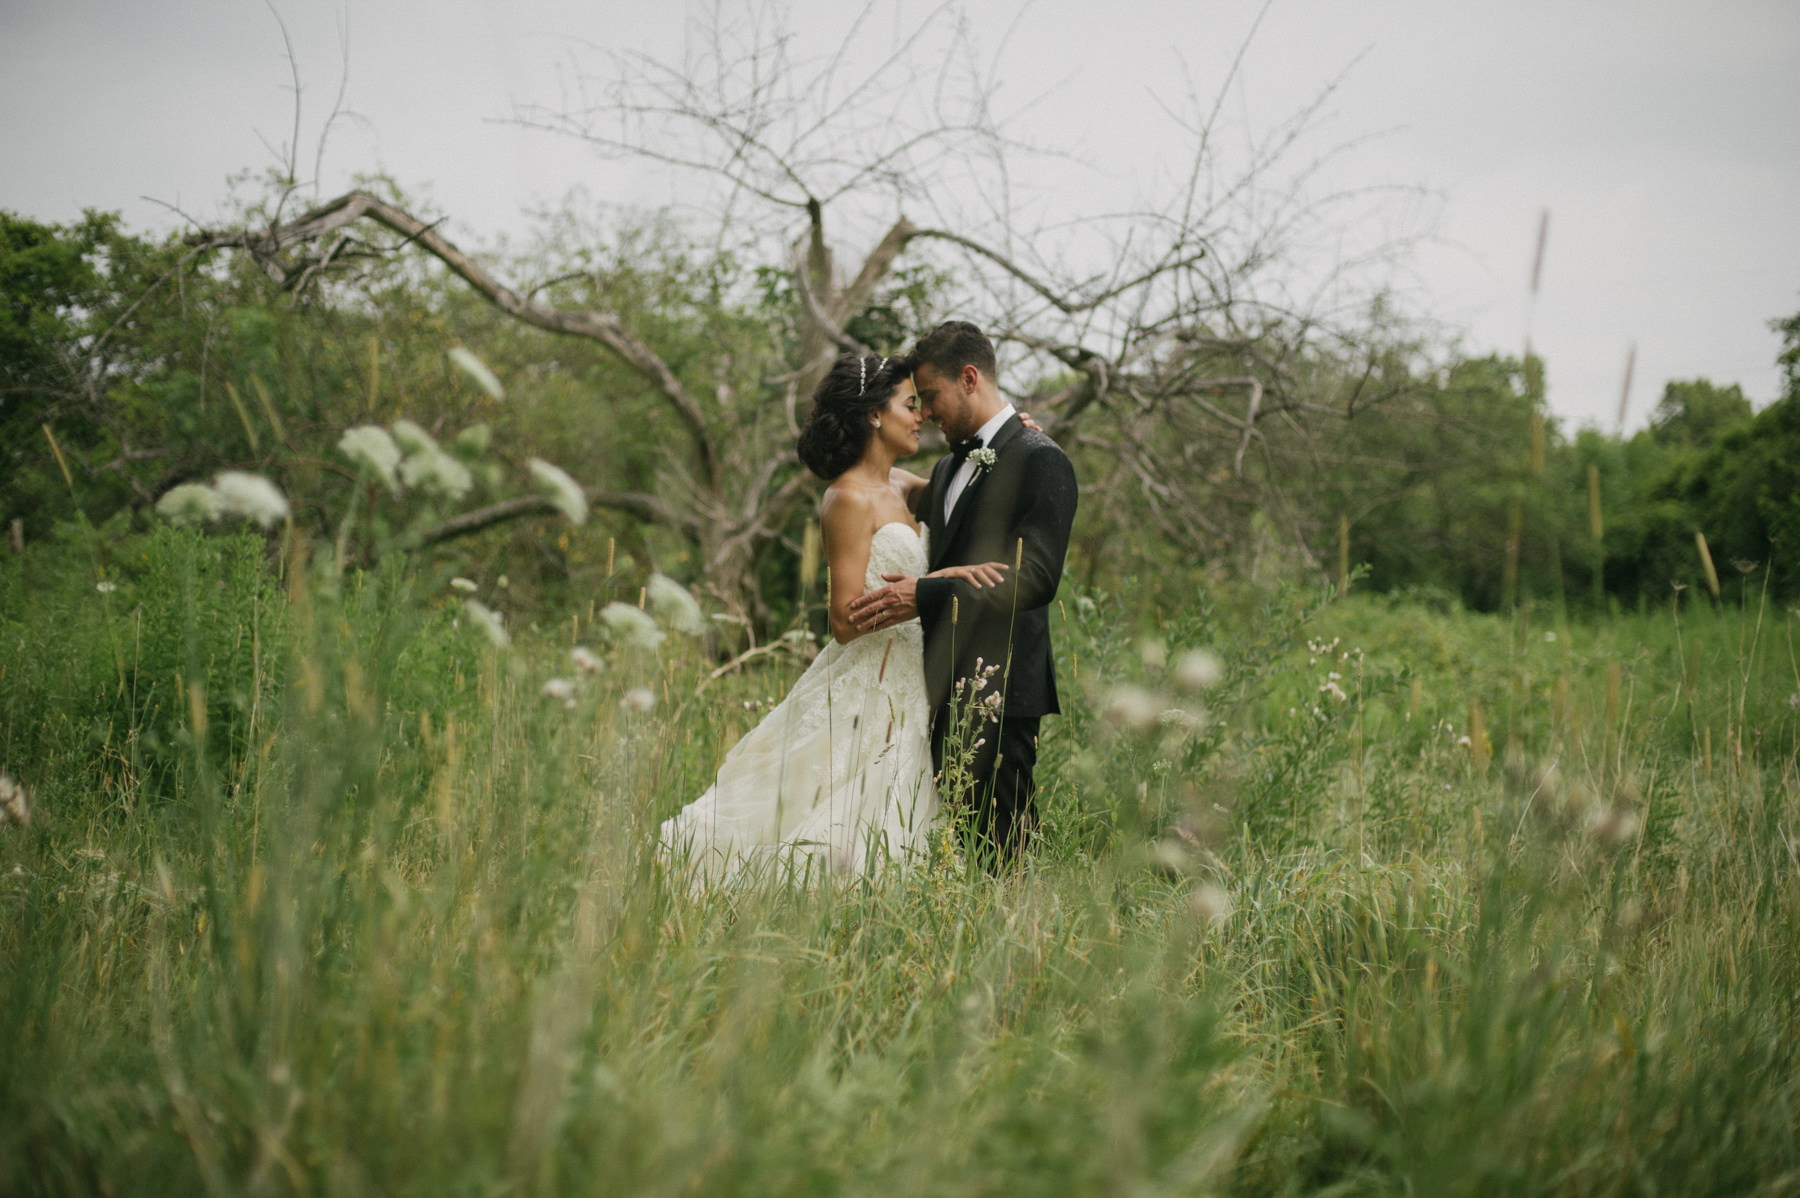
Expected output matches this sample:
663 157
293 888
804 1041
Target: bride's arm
911 488
847 521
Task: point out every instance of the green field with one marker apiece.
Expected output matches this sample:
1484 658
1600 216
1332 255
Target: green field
320 894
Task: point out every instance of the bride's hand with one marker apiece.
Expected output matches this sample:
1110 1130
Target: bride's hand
987 574
1026 420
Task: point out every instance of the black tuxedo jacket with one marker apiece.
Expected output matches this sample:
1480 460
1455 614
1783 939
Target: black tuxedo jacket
1018 512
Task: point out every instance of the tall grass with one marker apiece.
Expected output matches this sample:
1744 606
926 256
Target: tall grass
322 895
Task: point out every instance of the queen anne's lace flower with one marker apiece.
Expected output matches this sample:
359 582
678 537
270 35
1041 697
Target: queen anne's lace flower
585 659
370 445
412 438
564 491
488 620
677 608
15 804
190 503
630 626
436 471
478 370
251 496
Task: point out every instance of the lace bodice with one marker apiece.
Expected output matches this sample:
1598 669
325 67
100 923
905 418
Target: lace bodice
896 549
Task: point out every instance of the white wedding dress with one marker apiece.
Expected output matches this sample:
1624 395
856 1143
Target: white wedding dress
836 779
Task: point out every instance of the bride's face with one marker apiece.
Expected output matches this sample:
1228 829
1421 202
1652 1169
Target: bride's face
901 420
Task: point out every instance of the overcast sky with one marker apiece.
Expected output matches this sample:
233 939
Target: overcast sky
1662 137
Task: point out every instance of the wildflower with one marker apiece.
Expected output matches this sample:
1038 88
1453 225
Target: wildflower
631 626
190 503
1198 670
478 370
464 585
560 689
1333 689
1181 720
1613 825
1549 638
15 804
677 608
106 586
565 493
475 439
585 659
370 445
1132 707
251 496
638 698
432 469
488 620
412 438
1209 903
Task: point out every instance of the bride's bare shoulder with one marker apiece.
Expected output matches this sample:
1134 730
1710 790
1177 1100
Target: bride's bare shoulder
847 508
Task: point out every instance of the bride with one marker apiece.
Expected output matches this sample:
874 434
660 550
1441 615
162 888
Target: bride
837 777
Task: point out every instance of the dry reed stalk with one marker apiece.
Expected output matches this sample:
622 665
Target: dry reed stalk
1480 750
809 557
1596 520
1343 571
1706 563
1537 442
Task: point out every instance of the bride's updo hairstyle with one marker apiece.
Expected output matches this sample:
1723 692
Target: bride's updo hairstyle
838 429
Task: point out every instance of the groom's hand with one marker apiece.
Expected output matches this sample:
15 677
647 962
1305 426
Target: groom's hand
886 606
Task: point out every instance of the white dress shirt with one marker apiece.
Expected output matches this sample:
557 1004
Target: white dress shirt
966 471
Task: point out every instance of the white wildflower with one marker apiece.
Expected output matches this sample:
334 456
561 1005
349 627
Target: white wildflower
15 804
565 493
251 496
1209 903
560 689
1549 638
1182 720
488 620
638 698
585 659
412 438
1132 707
370 445
478 370
1333 689
1198 670
106 586
436 471
464 585
475 439
190 503
678 609
631 626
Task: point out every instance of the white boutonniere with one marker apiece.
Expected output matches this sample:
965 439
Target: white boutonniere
983 459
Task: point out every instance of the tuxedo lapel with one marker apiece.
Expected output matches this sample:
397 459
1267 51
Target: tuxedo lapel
934 508
966 502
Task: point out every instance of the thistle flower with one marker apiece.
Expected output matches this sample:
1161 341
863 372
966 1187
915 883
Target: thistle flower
488 620
251 496
1198 670
585 659
434 470
464 585
677 608
638 698
370 445
190 503
565 493
1132 707
478 370
560 689
1209 903
630 626
15 804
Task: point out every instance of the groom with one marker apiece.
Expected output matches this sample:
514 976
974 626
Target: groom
1003 494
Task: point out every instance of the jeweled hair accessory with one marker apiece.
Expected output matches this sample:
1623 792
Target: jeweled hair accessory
862 372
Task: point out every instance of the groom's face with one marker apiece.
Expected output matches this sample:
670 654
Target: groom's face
946 402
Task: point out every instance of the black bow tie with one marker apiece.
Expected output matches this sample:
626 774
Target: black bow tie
960 450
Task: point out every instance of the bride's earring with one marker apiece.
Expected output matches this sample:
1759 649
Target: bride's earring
878 424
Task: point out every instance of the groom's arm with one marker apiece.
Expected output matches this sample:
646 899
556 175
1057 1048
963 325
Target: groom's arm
1038 535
